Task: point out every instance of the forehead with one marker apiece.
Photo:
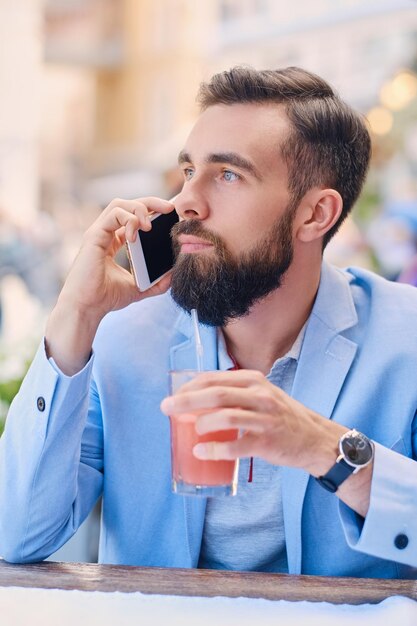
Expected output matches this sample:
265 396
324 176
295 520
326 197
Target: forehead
253 130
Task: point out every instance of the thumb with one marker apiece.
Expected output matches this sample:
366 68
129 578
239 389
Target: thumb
156 290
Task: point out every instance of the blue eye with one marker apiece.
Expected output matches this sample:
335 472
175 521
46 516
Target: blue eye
188 173
229 175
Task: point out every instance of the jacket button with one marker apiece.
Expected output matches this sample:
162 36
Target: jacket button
40 403
401 541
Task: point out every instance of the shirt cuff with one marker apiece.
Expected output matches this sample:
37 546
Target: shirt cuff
80 373
46 393
389 530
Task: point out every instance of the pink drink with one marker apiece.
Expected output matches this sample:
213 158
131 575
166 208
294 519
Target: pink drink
191 476
185 466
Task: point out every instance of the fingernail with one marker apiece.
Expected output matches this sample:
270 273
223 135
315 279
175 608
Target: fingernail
167 405
200 451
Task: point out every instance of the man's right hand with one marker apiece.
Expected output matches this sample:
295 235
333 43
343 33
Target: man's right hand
96 284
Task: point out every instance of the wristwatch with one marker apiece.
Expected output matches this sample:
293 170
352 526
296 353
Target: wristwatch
356 452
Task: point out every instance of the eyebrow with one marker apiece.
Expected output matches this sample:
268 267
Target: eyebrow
231 158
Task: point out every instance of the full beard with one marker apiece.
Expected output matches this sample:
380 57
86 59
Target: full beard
222 288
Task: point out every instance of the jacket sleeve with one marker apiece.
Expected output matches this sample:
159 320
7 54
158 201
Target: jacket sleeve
389 530
51 461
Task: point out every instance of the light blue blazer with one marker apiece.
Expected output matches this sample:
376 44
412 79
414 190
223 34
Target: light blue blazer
102 432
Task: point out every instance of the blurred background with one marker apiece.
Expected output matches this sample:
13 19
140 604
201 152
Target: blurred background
98 98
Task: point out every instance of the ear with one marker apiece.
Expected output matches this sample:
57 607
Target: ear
319 212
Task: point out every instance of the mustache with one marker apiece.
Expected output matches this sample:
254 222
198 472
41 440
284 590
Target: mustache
194 227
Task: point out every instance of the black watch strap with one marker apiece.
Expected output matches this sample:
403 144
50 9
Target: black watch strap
336 475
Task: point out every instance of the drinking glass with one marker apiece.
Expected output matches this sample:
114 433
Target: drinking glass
192 476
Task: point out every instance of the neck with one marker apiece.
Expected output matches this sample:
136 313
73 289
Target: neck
257 340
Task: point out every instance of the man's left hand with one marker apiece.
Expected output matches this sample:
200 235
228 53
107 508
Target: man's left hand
273 425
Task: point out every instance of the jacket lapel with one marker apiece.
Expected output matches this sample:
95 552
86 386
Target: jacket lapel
324 363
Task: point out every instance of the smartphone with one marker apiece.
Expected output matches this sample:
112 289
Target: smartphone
151 256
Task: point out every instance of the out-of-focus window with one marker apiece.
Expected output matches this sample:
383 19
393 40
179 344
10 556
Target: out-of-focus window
87 32
231 10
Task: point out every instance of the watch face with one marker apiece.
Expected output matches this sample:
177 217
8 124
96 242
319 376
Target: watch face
356 448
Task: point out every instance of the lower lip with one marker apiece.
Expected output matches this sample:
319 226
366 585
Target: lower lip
194 247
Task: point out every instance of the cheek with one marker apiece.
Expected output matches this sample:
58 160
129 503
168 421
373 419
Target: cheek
244 233
240 236
243 219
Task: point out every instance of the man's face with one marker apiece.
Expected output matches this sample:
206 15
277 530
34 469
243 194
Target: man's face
235 242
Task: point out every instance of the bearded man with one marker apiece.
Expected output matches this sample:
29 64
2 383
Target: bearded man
271 169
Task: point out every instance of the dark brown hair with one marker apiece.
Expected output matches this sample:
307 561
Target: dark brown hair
328 144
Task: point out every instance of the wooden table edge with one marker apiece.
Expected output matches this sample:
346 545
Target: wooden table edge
206 583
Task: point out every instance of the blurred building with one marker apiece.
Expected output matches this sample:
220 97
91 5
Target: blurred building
101 93
20 76
141 68
144 61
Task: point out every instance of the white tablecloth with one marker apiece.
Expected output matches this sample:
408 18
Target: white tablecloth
43 607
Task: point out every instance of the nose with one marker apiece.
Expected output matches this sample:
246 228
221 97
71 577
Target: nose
191 202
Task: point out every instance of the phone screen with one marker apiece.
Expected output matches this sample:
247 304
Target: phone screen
157 245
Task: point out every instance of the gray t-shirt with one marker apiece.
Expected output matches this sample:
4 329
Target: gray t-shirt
246 532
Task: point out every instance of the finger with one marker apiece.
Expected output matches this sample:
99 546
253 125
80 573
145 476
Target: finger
160 287
145 205
140 220
123 276
231 418
120 235
262 399
158 205
127 205
230 378
119 218
225 450
143 208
